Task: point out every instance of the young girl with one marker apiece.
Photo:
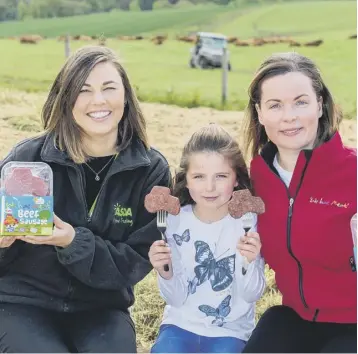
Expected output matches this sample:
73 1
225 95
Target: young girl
210 303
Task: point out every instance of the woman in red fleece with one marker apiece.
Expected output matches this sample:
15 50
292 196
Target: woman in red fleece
308 181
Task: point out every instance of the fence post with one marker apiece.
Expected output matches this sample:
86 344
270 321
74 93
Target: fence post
224 65
67 46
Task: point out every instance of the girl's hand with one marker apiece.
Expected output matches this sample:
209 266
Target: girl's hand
249 246
62 235
159 255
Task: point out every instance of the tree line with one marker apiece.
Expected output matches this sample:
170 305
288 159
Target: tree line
21 9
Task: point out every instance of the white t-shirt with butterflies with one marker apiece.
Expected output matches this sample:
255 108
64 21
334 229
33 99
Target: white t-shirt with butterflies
208 294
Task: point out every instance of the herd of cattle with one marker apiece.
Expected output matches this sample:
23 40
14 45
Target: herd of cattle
160 39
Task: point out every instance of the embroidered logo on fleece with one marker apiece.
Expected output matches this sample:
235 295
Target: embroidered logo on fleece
328 202
122 215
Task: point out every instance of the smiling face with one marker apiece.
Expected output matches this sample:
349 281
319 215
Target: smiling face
210 180
100 104
290 111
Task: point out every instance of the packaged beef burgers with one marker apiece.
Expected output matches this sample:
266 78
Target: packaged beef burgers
26 199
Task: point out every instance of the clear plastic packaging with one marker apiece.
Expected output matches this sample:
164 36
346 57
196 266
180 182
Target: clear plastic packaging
27 179
26 199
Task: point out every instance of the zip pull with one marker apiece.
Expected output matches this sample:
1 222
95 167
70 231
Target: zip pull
353 264
290 207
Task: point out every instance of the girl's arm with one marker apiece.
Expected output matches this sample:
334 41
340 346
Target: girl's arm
251 285
174 287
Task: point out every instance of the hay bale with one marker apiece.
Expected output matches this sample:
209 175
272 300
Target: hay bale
147 310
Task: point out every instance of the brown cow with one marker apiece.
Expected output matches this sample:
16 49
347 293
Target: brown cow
160 39
294 43
240 43
186 39
30 39
258 42
316 43
232 39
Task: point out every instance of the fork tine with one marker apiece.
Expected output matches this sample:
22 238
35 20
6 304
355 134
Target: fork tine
160 216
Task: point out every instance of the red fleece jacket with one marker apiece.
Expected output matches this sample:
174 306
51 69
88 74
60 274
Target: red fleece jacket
309 244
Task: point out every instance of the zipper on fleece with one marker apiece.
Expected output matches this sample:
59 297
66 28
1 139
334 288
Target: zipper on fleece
315 315
93 207
89 212
288 230
300 270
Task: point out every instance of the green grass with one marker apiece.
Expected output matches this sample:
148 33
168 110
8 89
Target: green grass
299 19
122 23
161 73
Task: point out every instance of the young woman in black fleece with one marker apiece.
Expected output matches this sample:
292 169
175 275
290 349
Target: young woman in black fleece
70 292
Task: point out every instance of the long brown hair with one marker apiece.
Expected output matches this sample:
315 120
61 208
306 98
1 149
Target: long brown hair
211 138
280 64
57 114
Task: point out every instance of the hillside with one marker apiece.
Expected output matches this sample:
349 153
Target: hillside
318 17
298 19
120 23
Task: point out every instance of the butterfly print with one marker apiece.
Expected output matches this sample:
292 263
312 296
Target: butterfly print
219 313
185 237
219 273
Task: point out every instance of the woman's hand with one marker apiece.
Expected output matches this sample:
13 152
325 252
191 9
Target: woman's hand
249 246
62 235
7 241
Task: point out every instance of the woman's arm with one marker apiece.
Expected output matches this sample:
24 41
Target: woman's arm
102 264
8 254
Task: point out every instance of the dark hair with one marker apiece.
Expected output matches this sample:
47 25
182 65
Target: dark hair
212 138
280 64
57 114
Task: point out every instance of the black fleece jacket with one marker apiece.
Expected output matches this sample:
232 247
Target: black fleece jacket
109 253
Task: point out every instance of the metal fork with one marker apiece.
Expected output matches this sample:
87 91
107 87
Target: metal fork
248 222
162 226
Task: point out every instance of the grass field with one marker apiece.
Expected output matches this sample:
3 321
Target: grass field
299 18
123 23
161 73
